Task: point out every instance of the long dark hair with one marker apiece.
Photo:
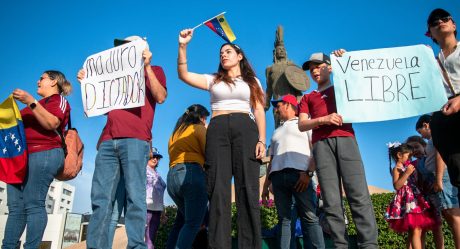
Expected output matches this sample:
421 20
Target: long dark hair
395 149
247 74
192 115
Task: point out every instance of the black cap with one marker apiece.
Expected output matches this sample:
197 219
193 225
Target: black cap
316 58
437 14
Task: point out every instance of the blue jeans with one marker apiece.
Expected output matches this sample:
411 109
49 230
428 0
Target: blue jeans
127 155
187 187
294 233
118 207
26 201
283 189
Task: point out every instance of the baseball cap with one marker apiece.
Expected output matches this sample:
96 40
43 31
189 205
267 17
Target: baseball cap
316 58
289 98
436 14
118 42
156 153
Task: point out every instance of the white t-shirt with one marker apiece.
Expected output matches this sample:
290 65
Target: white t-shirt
229 97
452 66
289 147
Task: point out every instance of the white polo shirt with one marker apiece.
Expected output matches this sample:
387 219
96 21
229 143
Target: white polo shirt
290 148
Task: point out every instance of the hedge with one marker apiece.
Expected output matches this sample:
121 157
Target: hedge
386 239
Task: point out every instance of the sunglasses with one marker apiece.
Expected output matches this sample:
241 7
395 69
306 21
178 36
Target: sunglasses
437 21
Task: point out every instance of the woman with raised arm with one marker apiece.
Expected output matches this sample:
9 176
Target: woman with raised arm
235 141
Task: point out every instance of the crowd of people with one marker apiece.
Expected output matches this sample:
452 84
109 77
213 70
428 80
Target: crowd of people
311 146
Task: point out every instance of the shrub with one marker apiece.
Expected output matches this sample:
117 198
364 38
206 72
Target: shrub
388 238
163 231
268 216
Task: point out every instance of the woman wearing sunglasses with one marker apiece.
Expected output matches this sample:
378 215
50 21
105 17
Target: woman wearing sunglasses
42 118
445 124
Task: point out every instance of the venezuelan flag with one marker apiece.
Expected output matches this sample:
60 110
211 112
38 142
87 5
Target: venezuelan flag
220 26
13 148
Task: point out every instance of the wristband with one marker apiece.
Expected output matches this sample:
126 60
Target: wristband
261 143
181 63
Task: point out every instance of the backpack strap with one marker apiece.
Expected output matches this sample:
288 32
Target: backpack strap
64 145
446 76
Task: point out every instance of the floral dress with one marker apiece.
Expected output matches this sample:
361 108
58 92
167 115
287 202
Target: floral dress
409 209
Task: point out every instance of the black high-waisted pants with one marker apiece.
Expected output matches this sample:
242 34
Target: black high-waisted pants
230 151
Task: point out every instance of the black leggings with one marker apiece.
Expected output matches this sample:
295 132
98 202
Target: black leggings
230 150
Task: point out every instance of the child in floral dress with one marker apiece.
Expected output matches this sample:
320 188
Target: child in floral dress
408 211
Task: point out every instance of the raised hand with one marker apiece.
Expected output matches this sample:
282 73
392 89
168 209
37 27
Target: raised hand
185 36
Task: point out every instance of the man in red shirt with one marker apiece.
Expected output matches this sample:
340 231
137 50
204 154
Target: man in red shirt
337 158
123 151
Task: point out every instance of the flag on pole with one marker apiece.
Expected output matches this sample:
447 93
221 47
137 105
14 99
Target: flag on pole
13 147
220 26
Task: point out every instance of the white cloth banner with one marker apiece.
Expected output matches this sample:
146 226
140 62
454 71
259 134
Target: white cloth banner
386 84
114 79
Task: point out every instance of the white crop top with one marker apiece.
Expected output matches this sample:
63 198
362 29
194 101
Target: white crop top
229 97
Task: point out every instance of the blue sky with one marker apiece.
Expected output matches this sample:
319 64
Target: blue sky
42 35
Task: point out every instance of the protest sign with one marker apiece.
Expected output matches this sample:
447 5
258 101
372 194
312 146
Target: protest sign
386 84
114 79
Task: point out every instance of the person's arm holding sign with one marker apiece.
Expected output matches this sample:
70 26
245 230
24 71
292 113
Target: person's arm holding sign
452 106
158 91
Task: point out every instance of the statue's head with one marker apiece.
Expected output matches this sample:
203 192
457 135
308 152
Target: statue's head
279 53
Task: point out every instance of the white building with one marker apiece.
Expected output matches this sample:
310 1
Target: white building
59 199
3 197
61 222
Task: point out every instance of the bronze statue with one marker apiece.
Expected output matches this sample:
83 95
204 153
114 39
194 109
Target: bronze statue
283 77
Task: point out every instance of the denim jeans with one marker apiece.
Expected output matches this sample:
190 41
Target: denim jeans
283 189
127 155
187 187
118 207
305 237
26 201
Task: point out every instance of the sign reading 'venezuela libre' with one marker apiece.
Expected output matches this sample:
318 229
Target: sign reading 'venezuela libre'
386 84
114 79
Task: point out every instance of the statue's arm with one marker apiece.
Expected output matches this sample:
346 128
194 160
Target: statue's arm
269 90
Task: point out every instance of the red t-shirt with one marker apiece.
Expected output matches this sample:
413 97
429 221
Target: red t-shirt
319 104
134 122
38 138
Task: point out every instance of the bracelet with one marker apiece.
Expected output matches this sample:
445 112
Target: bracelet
181 63
261 143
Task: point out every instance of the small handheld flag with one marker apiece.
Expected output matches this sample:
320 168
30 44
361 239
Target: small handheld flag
220 26
13 147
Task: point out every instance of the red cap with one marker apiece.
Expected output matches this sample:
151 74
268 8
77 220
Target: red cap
289 98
